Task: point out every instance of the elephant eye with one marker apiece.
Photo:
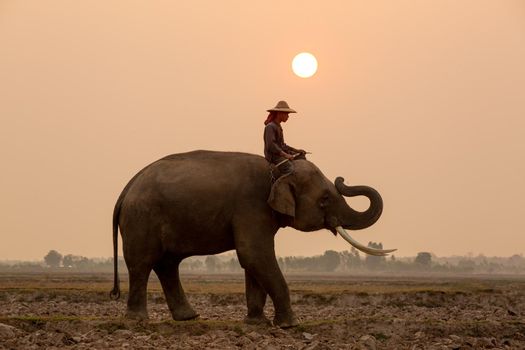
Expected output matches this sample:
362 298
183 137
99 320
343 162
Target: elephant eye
325 200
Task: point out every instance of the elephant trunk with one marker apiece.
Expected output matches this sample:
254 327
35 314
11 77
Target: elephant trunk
360 220
354 220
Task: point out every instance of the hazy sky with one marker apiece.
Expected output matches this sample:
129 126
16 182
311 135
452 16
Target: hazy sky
423 100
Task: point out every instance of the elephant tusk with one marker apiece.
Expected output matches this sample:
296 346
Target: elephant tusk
368 250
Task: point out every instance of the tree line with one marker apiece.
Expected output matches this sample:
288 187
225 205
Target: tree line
329 261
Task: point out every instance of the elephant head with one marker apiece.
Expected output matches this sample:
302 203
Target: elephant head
312 202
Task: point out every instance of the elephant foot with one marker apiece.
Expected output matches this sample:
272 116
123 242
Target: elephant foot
257 320
137 315
184 314
285 321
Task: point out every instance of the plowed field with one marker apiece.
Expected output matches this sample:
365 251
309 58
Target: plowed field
64 310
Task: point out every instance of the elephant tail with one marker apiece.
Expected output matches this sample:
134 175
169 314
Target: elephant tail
115 292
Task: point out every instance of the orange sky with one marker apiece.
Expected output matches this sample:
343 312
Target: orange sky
425 101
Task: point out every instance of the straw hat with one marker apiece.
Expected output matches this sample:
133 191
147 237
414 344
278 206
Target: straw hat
282 106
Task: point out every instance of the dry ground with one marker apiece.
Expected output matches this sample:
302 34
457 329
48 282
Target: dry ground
64 310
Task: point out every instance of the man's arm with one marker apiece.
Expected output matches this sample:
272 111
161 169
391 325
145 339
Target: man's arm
270 140
291 150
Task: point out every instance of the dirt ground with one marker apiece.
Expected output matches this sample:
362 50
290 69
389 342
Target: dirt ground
73 311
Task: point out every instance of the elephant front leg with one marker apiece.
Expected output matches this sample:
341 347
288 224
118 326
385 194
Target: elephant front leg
262 266
168 272
256 299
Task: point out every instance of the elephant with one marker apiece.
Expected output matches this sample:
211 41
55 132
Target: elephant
209 202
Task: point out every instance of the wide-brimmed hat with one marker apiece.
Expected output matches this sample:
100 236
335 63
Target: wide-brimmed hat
282 106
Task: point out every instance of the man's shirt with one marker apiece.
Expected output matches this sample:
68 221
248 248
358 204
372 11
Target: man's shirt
274 143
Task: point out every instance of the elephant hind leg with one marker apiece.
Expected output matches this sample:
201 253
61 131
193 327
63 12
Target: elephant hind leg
137 299
256 299
168 272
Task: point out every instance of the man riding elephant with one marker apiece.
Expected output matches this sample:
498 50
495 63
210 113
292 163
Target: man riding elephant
276 151
210 202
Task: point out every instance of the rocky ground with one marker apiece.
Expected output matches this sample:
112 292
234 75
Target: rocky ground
337 312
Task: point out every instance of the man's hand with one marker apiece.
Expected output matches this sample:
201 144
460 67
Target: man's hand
286 155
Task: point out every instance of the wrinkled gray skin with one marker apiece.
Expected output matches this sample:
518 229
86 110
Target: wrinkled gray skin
204 202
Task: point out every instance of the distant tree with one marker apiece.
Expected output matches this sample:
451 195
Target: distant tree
372 261
233 265
349 259
82 262
423 259
290 262
516 260
212 263
466 265
68 260
329 261
280 262
53 258
76 261
345 258
356 258
191 264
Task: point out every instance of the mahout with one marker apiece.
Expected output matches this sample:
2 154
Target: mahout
206 202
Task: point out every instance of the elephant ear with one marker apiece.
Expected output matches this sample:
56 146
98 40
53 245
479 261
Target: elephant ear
281 197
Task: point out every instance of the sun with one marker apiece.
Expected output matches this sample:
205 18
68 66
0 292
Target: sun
304 65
